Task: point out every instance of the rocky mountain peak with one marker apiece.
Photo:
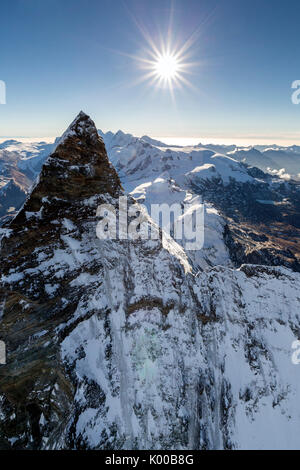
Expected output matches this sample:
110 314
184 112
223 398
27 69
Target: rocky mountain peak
75 179
78 169
81 127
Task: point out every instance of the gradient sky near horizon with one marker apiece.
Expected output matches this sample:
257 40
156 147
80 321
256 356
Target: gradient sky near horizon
61 56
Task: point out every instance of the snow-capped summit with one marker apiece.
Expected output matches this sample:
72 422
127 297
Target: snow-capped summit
82 126
155 142
120 139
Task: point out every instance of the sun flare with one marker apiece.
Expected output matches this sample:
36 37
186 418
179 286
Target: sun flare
167 66
165 61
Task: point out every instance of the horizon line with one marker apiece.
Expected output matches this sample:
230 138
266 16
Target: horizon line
182 141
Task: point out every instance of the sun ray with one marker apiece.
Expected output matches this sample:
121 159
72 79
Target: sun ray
165 60
166 66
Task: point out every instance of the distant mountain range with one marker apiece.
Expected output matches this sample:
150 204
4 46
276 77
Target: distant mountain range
255 204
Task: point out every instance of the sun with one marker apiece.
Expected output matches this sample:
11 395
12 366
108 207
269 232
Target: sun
164 60
167 67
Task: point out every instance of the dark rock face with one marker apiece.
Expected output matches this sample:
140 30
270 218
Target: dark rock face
247 247
263 219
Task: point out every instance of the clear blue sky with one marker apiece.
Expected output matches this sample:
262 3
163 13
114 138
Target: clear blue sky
61 56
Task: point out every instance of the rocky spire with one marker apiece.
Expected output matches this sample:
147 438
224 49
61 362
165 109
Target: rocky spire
74 180
49 243
82 126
